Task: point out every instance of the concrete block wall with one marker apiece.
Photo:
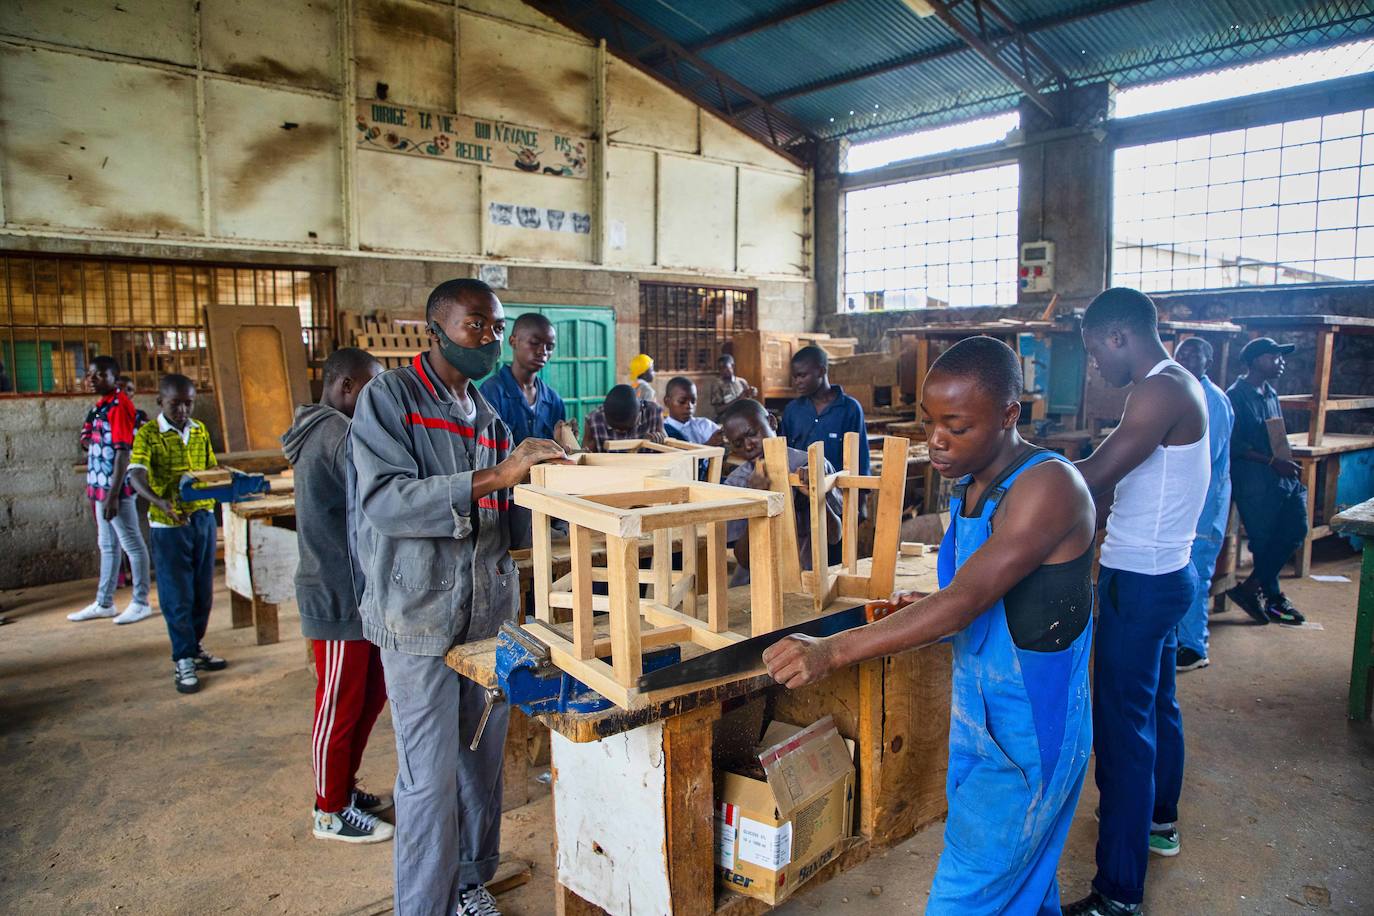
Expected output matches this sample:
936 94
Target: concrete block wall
48 529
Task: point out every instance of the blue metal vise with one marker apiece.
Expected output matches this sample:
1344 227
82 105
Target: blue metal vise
527 677
530 680
239 487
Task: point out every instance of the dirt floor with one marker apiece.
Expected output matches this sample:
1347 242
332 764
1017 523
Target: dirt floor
125 795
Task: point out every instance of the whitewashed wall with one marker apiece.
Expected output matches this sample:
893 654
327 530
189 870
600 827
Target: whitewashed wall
234 126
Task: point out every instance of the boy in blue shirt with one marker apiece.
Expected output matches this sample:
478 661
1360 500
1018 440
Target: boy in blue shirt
521 398
822 412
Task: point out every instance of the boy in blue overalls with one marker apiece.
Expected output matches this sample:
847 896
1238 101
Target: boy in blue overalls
1016 599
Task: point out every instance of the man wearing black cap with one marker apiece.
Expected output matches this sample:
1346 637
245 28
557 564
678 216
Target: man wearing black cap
1271 499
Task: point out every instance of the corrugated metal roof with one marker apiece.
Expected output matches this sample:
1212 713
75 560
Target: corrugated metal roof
873 68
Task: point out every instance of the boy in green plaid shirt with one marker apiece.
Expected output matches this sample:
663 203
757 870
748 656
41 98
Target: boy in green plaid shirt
184 533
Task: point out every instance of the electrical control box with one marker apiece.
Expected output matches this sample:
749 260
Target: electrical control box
1036 273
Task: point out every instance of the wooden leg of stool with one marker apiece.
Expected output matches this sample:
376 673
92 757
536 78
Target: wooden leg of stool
240 611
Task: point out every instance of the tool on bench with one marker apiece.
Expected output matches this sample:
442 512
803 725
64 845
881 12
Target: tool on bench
222 484
527 677
747 655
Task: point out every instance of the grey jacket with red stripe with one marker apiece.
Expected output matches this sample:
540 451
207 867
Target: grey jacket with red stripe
436 565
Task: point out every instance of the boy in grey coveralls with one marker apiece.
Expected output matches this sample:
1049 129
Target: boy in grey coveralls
433 476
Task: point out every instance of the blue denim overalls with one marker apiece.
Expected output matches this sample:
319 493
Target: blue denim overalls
1019 737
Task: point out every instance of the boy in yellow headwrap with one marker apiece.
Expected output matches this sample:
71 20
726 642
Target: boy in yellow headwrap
641 374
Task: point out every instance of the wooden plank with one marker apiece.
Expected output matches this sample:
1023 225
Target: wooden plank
258 360
543 563
240 611
689 800
595 673
626 657
656 518
577 511
776 466
663 616
1305 401
1321 387
639 500
887 528
820 543
1303 558
687 591
764 590
849 532
582 621
717 581
662 566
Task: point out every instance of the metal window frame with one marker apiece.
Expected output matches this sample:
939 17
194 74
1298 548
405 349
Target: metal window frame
136 338
664 341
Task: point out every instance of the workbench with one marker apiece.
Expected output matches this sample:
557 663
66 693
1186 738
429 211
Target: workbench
1327 492
260 560
1358 521
634 790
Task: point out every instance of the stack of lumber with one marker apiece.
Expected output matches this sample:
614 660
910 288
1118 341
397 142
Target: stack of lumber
393 341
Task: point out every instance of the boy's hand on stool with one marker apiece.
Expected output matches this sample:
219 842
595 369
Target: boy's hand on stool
799 660
529 453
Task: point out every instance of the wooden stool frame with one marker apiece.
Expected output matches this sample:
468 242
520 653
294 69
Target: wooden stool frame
714 455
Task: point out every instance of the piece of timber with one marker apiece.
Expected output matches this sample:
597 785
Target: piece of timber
746 655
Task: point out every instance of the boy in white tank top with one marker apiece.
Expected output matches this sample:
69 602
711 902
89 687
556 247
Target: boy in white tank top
1149 479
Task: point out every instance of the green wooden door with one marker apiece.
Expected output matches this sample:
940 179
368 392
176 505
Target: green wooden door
583 366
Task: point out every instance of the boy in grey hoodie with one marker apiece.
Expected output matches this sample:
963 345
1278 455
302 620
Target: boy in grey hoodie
433 530
349 688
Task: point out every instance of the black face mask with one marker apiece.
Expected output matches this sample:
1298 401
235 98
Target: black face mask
473 362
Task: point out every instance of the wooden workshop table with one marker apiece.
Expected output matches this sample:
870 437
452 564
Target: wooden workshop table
260 560
634 790
1358 521
1322 464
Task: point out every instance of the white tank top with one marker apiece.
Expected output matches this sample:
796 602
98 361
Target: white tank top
1157 505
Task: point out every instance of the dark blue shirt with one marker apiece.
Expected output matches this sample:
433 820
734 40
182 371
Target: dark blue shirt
525 420
1253 407
801 426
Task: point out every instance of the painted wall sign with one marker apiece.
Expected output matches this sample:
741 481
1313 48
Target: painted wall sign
545 218
432 135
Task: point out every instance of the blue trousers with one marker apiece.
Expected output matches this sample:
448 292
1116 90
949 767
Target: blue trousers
1137 726
185 560
1276 524
1192 630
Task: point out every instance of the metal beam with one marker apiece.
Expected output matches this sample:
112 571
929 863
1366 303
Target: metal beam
1022 79
768 124
999 41
759 24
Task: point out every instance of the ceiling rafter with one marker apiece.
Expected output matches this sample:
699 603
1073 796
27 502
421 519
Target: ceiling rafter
753 26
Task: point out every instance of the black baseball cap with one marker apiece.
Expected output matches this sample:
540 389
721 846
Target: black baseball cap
1262 345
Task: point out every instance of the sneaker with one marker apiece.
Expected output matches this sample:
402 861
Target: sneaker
477 902
93 611
207 662
1248 602
372 804
184 676
1188 660
1281 610
134 613
351 826
1096 905
1164 842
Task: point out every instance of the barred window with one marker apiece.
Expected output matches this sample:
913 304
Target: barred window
1282 203
685 328
59 312
933 242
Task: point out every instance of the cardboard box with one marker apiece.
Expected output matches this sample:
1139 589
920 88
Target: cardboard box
775 832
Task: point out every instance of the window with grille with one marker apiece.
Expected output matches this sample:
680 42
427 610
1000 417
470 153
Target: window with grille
933 242
685 328
57 313
1282 203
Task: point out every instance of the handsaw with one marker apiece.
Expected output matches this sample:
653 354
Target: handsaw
747 654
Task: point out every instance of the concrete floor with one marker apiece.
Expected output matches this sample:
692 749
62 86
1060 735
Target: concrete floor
124 795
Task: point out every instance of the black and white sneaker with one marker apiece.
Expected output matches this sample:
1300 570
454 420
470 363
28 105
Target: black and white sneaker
1188 660
371 804
351 826
1249 602
207 662
1096 905
477 902
184 676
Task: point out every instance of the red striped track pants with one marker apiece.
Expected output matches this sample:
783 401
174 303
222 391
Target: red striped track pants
349 695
